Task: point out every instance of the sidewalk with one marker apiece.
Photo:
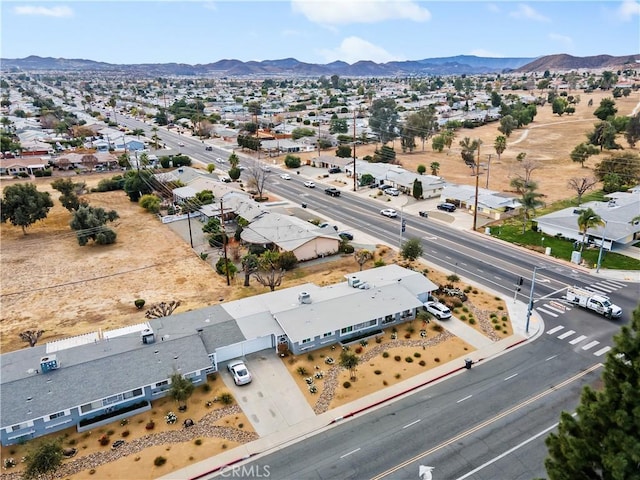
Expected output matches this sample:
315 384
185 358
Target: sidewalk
486 350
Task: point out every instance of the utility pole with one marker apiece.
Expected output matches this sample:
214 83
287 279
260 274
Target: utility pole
224 242
355 188
475 203
488 169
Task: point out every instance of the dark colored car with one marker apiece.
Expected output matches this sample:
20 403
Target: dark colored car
345 236
447 207
423 214
209 148
334 170
333 191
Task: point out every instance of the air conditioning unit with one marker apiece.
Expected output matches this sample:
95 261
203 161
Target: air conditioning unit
49 363
147 336
353 281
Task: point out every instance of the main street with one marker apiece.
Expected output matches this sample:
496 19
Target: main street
486 423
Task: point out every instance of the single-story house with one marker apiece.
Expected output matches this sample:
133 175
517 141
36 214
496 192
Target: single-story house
496 205
617 231
35 394
18 166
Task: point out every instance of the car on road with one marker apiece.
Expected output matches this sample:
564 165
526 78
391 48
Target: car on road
219 160
335 170
333 191
180 144
345 236
285 176
424 214
447 207
266 168
389 212
242 168
438 310
239 372
392 191
309 184
225 179
208 148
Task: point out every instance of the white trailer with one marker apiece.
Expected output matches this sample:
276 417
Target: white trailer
592 301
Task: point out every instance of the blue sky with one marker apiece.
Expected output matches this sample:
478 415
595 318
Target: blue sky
314 31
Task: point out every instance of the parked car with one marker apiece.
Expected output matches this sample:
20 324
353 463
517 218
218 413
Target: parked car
225 179
384 187
335 170
423 214
438 310
309 184
392 191
447 207
239 372
285 176
333 191
389 212
345 235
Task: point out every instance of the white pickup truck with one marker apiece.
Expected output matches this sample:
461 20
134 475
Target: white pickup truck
591 301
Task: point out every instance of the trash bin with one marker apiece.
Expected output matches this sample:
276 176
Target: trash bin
467 363
304 205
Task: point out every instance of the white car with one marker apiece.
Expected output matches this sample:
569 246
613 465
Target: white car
389 212
309 184
219 160
180 144
392 191
285 176
239 372
438 310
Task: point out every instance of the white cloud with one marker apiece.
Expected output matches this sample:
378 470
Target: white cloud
527 13
628 9
354 49
44 11
481 52
345 12
565 41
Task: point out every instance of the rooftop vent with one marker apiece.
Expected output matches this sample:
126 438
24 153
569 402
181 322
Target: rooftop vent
353 281
49 363
147 336
304 297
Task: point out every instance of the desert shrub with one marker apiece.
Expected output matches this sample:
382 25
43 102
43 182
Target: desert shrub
463 318
455 302
206 388
198 441
125 433
72 442
302 371
224 446
497 327
472 321
397 358
139 303
226 398
493 315
377 372
345 247
408 359
385 354
422 363
436 359
159 461
92 471
287 260
504 318
150 425
310 357
500 307
378 339
411 329
407 335
417 354
124 421
103 440
494 320
110 432
475 292
346 384
364 343
384 382
379 263
453 278
241 425
397 375
358 349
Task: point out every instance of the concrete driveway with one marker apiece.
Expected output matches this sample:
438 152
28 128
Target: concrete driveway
272 401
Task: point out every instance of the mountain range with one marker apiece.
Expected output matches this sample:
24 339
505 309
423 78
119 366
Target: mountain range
457 65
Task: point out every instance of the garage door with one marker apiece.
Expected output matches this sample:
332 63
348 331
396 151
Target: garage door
243 348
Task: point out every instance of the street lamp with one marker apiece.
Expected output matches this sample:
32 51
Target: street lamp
604 232
530 306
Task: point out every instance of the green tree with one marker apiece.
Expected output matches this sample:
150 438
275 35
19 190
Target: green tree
586 220
292 161
604 136
204 197
529 199
438 143
422 124
606 110
632 133
343 151
69 190
383 119
411 249
137 183
23 205
500 145
507 125
421 169
349 361
217 235
625 165
44 458
416 190
407 140
367 179
269 273
435 168
448 135
249 265
234 160
338 125
582 152
362 256
89 223
150 203
234 173
181 389
601 442
385 154
559 105
137 132
468 152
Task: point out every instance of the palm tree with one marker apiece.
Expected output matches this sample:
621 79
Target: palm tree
181 389
530 201
500 145
137 132
586 220
435 166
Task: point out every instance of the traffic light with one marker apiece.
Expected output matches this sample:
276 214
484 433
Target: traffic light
404 225
520 281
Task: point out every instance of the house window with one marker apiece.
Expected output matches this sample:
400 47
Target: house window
327 334
112 399
387 319
19 427
56 415
133 393
346 330
87 407
306 340
164 382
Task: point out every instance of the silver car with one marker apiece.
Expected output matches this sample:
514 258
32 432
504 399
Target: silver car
438 310
239 372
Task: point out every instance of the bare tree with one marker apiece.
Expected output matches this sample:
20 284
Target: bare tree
31 336
256 178
362 256
269 272
581 185
528 166
162 309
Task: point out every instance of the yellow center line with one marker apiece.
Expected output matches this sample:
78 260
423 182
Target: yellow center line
488 422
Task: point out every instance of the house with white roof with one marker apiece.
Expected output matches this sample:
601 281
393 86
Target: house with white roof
496 205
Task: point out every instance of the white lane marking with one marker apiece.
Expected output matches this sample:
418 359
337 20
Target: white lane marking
550 358
577 340
611 282
465 398
551 314
510 377
496 277
602 351
596 289
352 451
463 264
566 334
412 423
606 288
554 308
555 329
511 450
590 345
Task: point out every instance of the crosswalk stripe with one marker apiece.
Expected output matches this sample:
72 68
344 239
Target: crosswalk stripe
555 309
577 340
602 351
555 329
566 334
615 284
590 345
605 288
546 311
595 289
